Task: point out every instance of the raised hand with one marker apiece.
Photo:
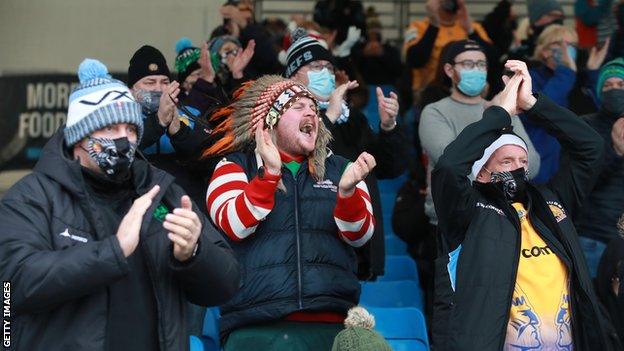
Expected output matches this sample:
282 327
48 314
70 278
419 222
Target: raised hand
508 98
597 56
526 100
168 100
433 12
388 109
617 136
207 72
268 151
464 16
336 98
184 228
237 63
130 226
355 173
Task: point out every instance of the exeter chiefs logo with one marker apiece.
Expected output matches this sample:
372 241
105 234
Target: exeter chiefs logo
523 332
564 333
557 210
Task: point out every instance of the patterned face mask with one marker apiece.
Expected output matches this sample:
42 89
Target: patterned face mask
512 184
149 101
113 156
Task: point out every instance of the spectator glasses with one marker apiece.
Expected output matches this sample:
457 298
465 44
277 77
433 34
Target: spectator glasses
225 54
317 66
470 64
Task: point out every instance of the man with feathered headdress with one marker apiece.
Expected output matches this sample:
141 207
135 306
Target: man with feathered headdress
293 211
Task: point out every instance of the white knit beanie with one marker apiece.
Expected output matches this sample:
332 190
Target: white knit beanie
505 139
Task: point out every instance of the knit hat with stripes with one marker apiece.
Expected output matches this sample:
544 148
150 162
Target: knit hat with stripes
99 101
304 50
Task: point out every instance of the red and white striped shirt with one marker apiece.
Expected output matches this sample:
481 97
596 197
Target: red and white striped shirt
237 205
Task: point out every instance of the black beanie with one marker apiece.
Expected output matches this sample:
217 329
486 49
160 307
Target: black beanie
147 61
458 47
304 50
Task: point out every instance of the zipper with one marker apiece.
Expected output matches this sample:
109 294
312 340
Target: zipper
150 272
516 224
300 284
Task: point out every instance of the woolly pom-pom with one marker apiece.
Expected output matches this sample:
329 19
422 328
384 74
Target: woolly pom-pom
297 34
359 317
183 44
91 69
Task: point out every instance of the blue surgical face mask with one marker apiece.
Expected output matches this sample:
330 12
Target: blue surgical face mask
558 54
321 83
472 82
572 52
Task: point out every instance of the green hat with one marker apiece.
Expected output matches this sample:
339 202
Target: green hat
611 69
358 334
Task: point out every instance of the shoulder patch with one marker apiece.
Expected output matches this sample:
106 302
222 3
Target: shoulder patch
557 210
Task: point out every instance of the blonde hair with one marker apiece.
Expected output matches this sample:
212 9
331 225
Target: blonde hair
553 34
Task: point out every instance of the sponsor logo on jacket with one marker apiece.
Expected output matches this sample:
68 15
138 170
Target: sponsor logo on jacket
73 237
490 207
326 184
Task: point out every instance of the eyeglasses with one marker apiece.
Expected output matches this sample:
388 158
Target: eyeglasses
317 66
470 64
233 52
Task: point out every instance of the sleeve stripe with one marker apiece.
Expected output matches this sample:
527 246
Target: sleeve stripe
361 241
345 226
226 178
238 228
234 203
257 211
221 199
354 217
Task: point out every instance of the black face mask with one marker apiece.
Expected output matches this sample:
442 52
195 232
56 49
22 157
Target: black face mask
113 156
512 184
613 103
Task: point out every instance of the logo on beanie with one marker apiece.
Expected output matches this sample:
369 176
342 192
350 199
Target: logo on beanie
557 210
153 67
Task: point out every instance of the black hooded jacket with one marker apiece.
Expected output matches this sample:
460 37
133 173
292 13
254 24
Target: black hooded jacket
473 313
60 257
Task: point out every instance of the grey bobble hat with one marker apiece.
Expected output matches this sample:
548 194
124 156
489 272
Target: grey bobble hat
99 101
539 8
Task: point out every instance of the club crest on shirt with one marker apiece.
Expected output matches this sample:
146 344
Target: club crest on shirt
557 210
523 330
562 321
326 184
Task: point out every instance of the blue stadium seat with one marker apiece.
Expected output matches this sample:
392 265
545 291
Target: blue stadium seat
196 344
407 345
210 332
371 110
392 186
402 293
404 328
400 268
394 246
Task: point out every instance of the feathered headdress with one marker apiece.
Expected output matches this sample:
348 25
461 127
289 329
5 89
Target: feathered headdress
261 103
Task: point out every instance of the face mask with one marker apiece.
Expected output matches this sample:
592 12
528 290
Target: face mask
572 52
321 83
149 101
113 156
512 184
613 103
472 82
